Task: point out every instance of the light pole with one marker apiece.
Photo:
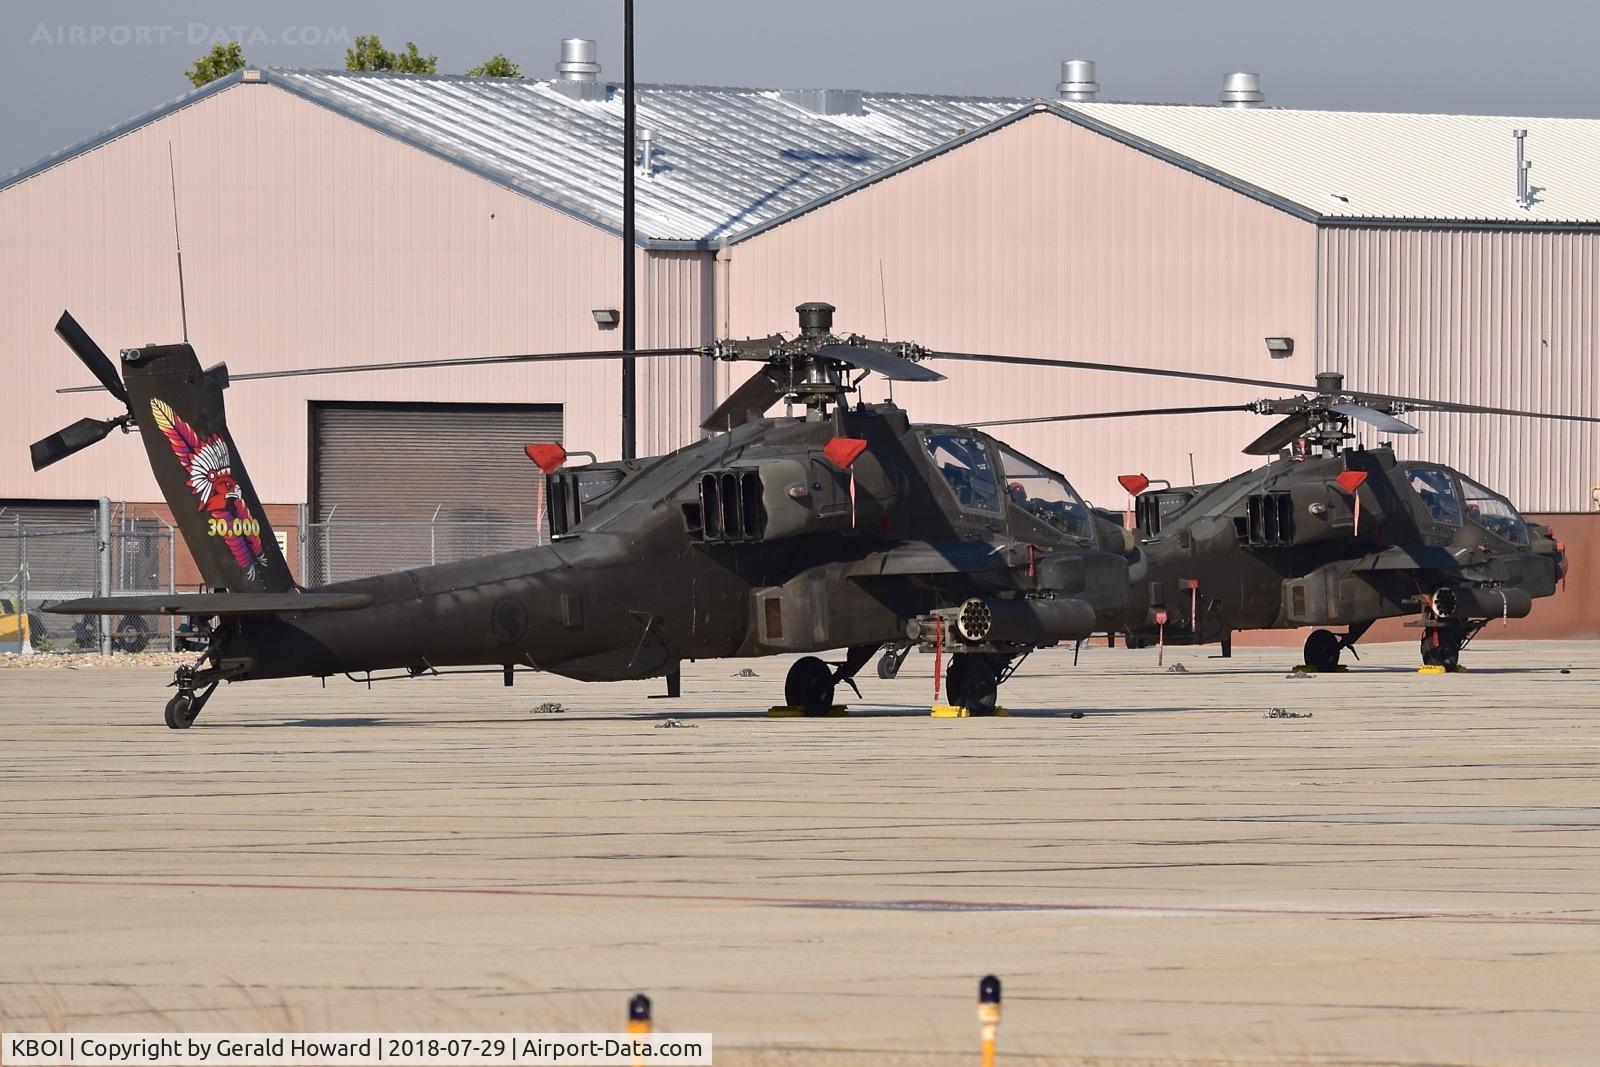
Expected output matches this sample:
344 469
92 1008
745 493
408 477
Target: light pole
629 336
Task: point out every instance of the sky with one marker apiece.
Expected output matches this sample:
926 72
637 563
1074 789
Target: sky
70 68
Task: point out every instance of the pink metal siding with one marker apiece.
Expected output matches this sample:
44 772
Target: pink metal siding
309 239
1046 239
1502 319
676 308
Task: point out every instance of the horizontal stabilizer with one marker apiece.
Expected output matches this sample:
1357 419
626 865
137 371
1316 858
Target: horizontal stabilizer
207 604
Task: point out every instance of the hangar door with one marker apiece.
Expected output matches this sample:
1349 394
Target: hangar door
398 485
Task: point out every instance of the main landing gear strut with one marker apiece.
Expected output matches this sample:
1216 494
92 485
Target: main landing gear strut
973 681
1442 645
811 681
1323 647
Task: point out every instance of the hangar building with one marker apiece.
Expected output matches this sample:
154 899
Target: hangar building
330 217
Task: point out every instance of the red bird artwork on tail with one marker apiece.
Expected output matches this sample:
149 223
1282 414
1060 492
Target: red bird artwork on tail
210 469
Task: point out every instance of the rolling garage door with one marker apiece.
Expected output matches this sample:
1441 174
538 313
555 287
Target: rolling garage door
406 485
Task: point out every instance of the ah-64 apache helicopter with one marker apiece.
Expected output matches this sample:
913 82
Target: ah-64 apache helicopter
1325 535
846 527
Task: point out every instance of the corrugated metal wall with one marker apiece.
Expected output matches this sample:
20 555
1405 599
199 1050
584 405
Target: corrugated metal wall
676 307
1503 319
1046 239
308 239
410 462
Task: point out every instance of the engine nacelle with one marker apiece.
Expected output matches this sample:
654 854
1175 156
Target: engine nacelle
774 499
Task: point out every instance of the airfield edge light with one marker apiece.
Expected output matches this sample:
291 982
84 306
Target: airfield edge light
988 1015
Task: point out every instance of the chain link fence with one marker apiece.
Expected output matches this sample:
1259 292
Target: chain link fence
43 564
342 549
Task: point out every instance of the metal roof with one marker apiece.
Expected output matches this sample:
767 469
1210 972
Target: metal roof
725 160
1340 166
730 162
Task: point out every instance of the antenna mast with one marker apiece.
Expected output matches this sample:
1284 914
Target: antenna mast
177 242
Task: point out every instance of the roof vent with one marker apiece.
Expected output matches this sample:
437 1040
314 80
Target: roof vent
825 101
1241 90
647 152
1077 80
1524 190
578 73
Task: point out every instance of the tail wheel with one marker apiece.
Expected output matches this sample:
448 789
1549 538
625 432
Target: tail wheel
809 686
973 683
1322 650
181 712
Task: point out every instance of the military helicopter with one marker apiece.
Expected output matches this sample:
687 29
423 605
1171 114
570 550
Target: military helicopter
844 527
1327 535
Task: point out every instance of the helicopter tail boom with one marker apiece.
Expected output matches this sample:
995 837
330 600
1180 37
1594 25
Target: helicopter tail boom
179 411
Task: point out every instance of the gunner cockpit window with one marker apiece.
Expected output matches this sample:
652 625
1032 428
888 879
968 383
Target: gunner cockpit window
1044 494
1494 513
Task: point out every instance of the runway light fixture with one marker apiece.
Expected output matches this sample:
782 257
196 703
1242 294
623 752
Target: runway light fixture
1280 347
988 1015
605 318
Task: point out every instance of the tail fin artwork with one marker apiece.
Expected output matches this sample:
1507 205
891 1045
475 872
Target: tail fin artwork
180 414
178 410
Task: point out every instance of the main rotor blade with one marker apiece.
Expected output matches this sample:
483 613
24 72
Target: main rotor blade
895 368
1282 432
1373 417
1136 413
1120 368
750 401
1417 403
463 361
70 439
91 356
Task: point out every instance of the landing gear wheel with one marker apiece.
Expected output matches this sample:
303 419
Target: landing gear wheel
181 711
809 686
1441 648
1322 650
889 663
973 683
133 635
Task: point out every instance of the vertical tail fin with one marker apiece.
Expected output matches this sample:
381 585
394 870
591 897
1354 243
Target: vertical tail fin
181 417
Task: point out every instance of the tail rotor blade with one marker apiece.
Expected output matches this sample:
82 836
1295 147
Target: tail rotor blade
71 439
91 356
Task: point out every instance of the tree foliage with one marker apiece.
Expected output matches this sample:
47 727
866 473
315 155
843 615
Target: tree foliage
368 53
496 66
222 59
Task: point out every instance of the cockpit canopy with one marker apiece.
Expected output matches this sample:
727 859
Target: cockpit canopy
1437 488
975 476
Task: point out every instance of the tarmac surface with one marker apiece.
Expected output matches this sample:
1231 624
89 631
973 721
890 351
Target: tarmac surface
1411 875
